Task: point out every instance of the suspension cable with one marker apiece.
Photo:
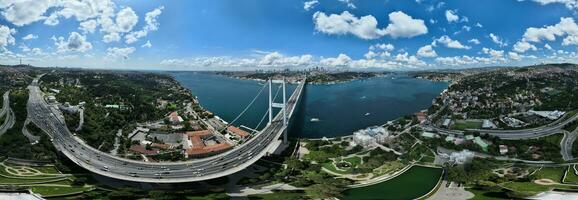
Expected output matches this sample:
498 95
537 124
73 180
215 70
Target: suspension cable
265 115
246 108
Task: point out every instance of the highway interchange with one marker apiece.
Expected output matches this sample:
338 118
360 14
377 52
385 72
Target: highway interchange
546 130
50 119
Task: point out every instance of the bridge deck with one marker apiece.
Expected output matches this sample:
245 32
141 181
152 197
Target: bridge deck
50 119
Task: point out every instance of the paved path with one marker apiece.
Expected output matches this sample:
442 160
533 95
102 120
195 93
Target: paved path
451 192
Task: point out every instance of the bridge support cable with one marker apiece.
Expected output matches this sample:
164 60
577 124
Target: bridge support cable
246 108
283 106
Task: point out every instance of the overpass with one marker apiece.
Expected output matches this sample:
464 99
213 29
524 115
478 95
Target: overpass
50 119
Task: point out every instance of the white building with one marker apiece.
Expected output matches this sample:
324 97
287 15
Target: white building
487 124
370 136
552 115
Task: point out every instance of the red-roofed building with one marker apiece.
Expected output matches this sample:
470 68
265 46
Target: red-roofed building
175 118
200 149
237 131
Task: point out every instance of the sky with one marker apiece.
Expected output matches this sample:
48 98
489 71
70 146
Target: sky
293 34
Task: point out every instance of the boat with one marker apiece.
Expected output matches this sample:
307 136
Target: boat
367 114
314 119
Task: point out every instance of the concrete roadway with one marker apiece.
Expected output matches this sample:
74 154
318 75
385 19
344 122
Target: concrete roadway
542 131
567 143
49 119
6 111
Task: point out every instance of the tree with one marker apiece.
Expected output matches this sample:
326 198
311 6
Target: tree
323 191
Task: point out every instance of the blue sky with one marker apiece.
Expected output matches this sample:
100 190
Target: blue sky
297 34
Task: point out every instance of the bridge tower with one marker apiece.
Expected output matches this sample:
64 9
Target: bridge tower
283 106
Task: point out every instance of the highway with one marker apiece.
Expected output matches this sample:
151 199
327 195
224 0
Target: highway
542 131
6 111
566 144
50 119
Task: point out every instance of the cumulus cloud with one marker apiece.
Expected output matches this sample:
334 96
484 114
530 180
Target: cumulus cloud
450 43
426 51
566 27
349 3
116 52
152 24
308 5
474 41
523 46
6 36
88 26
404 26
379 50
30 37
451 16
401 25
25 12
496 39
570 4
75 43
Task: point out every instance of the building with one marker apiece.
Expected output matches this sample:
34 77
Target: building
421 116
487 124
198 147
426 134
142 150
503 149
174 118
237 131
370 136
481 143
552 115
447 123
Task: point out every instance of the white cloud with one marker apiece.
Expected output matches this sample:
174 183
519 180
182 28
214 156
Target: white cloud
479 25
566 26
495 55
30 37
523 46
25 12
401 25
340 61
514 56
474 41
75 43
126 19
570 4
349 3
426 51
379 50
451 16
496 39
448 42
6 36
547 46
308 5
147 44
152 24
116 53
345 23
111 37
404 26
88 26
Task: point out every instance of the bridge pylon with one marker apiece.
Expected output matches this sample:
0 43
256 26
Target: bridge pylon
283 105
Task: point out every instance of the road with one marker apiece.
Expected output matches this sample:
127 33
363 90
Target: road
50 119
537 132
6 111
567 143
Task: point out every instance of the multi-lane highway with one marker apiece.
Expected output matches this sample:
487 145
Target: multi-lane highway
549 129
567 143
49 119
9 118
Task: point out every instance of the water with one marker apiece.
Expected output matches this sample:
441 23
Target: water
412 184
339 108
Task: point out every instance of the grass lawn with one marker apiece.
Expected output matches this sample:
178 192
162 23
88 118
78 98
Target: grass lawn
21 181
527 187
329 166
355 160
487 194
388 167
278 195
463 125
57 190
47 169
553 173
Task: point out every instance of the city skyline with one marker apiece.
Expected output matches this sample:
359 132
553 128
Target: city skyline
336 34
